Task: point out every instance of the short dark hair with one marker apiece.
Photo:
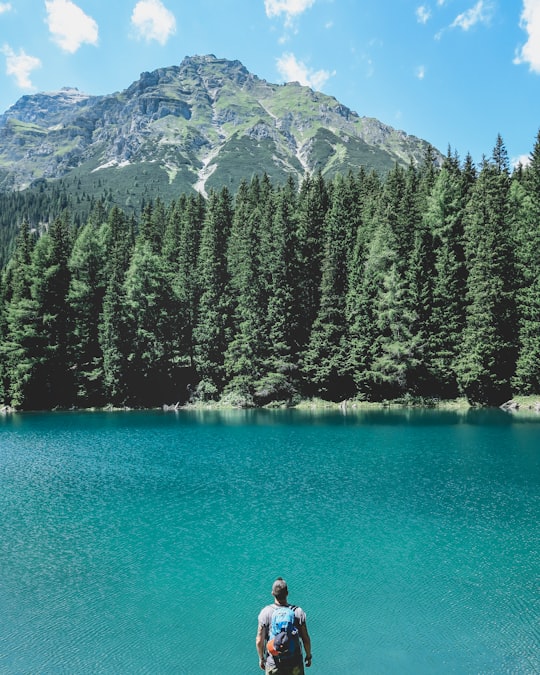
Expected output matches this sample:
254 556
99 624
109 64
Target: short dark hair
279 588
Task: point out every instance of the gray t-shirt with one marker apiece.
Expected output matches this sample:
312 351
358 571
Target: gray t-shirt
265 620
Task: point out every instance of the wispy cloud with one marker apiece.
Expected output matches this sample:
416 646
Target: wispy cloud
290 8
20 66
153 21
421 72
293 70
530 22
5 7
480 13
70 27
423 14
524 160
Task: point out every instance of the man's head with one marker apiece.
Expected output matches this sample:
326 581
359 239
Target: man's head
280 590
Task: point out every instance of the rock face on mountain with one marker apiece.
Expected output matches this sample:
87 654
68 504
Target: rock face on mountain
205 123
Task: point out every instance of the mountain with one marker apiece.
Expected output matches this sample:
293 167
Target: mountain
206 123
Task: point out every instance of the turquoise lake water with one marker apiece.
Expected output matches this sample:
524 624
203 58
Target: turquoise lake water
148 542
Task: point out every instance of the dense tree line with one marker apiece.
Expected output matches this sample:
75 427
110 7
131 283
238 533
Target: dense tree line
423 284
41 203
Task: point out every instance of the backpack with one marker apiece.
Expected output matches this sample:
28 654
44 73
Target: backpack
283 638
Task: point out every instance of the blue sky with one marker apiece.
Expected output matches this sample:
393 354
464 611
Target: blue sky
454 72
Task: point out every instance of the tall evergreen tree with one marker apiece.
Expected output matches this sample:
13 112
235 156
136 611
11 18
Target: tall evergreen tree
365 271
153 352
173 231
313 205
153 224
488 351
280 333
184 277
20 321
85 299
51 381
394 355
325 361
443 218
113 334
245 351
397 345
212 329
525 207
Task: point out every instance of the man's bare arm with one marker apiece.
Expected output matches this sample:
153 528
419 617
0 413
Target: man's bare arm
260 643
307 642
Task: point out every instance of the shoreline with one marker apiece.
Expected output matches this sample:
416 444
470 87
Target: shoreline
518 404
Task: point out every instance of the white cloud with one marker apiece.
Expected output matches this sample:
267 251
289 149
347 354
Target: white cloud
293 70
290 8
480 13
153 21
524 160
421 72
423 14
20 66
530 22
69 25
5 7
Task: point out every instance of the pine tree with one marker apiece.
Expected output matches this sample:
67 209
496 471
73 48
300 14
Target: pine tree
325 359
362 286
50 383
488 352
245 351
212 329
184 277
85 299
443 218
419 278
173 231
153 224
152 352
397 345
395 196
313 205
114 339
19 321
394 355
525 207
280 366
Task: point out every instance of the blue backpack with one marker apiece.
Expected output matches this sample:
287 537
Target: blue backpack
283 637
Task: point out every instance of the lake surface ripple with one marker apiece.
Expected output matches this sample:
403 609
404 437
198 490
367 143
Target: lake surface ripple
147 542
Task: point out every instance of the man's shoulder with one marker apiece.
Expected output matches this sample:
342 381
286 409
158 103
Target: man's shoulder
299 614
265 615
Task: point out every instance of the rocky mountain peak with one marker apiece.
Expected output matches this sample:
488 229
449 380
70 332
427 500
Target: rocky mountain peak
35 108
205 123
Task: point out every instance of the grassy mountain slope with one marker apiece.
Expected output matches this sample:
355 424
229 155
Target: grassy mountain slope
205 123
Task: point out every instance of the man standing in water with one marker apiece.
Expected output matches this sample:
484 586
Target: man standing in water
281 627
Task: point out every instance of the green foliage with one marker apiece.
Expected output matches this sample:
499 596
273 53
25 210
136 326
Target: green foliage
213 314
324 361
279 265
245 351
85 298
525 208
488 357
418 285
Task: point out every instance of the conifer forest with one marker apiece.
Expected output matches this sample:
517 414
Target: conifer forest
422 284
